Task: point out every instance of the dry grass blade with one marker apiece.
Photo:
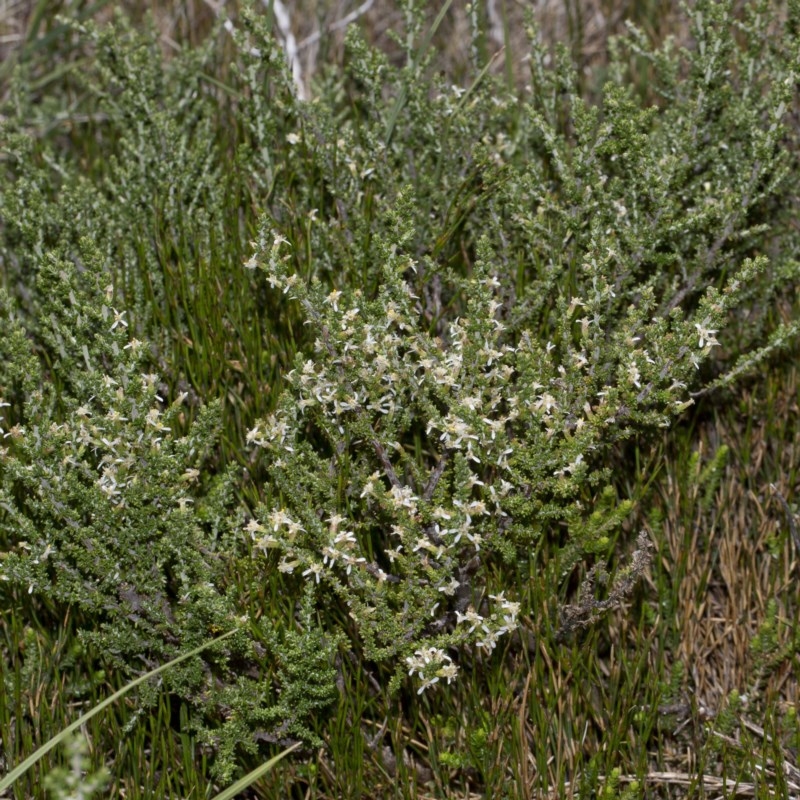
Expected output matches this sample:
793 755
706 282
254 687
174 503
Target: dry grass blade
708 783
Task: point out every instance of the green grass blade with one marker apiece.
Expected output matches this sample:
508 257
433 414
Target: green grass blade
474 85
22 768
253 776
401 98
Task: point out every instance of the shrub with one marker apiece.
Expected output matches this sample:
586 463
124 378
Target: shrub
103 510
452 417
495 291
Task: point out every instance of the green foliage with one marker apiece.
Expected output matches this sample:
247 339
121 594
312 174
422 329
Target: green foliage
99 501
468 298
306 677
66 734
154 197
611 790
711 476
103 510
449 410
74 783
728 720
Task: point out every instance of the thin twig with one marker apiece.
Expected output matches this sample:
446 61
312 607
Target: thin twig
338 25
387 465
433 481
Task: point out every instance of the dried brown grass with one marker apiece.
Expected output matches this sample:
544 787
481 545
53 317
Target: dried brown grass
730 558
317 25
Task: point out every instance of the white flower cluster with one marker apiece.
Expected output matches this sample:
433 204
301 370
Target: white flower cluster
502 620
103 424
430 664
112 457
373 376
426 440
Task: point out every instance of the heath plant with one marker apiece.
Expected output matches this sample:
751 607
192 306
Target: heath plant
448 419
476 296
105 512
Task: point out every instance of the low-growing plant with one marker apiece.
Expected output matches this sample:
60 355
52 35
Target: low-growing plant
488 295
450 420
78 782
105 511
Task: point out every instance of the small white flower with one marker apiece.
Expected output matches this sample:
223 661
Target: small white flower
369 486
278 517
472 617
705 334
119 319
334 521
426 683
333 299
448 671
450 588
255 436
477 507
394 554
315 569
489 641
476 540
253 527
152 419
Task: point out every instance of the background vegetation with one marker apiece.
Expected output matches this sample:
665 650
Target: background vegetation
151 158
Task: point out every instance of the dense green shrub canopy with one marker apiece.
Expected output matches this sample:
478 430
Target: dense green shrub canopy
365 349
